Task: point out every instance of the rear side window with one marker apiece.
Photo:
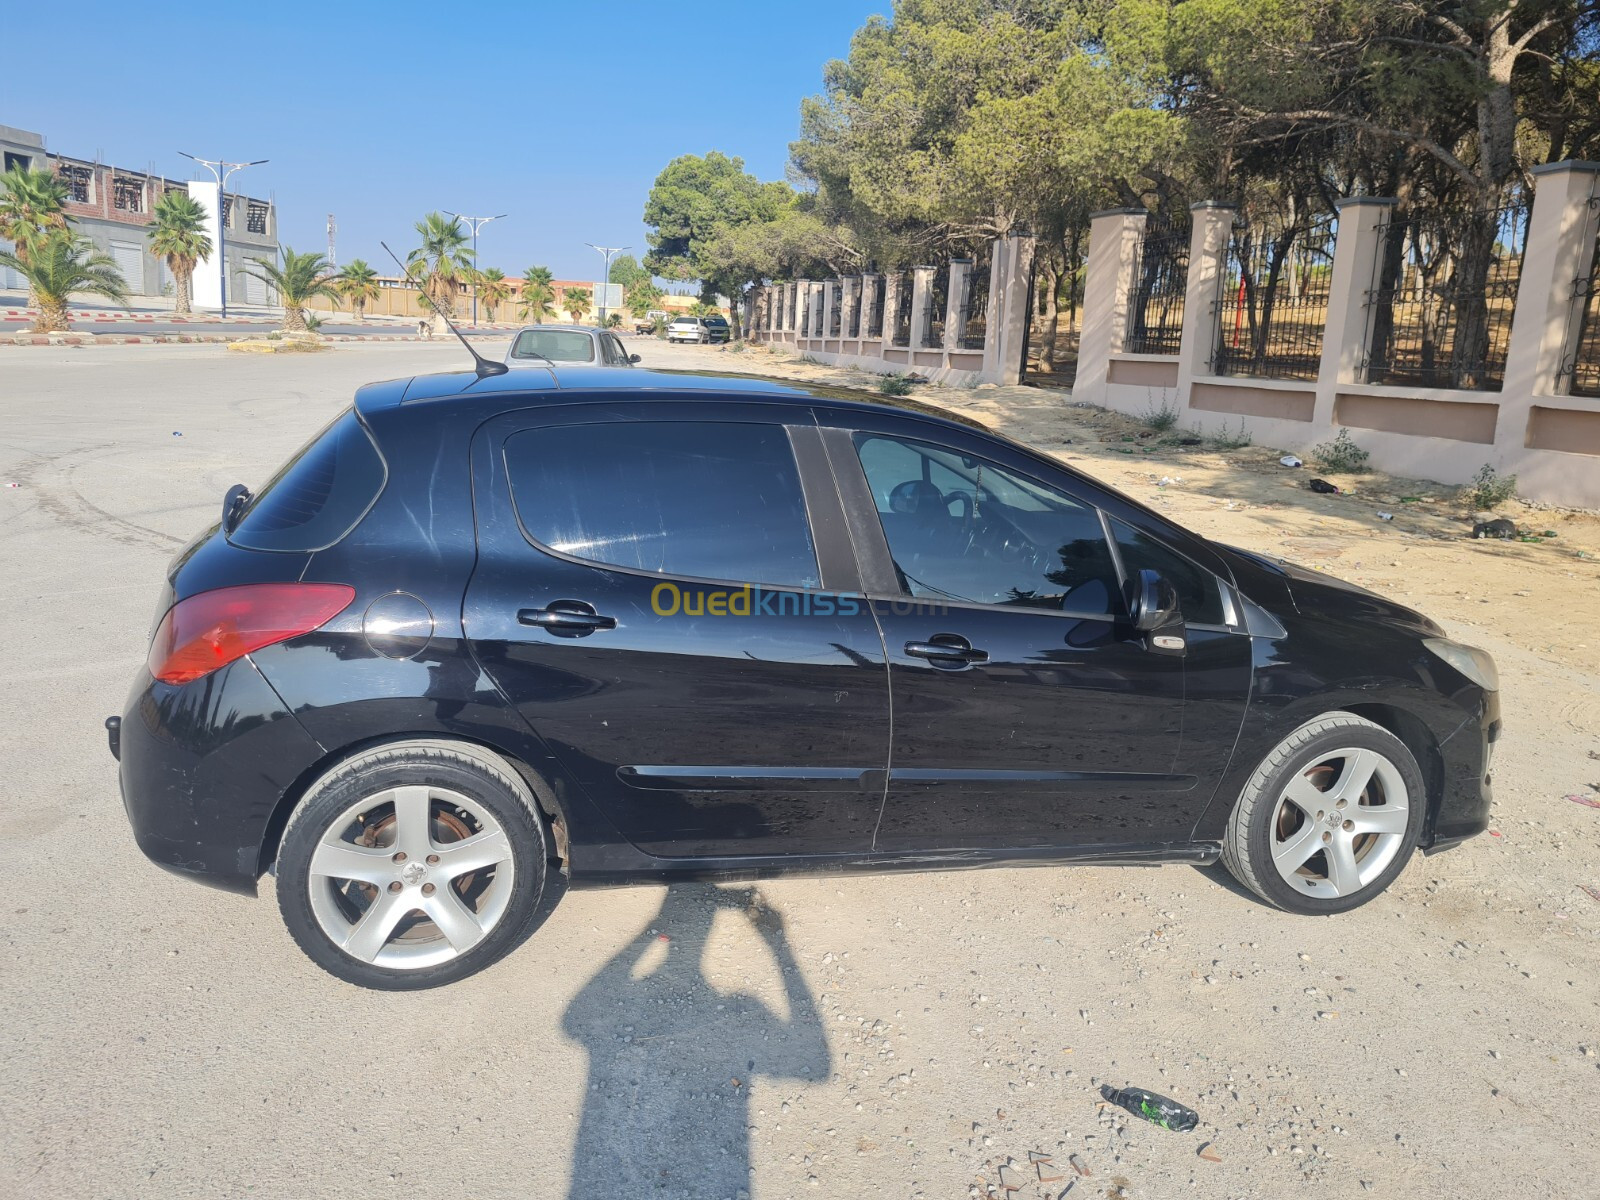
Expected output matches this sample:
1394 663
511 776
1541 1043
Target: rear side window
319 495
709 500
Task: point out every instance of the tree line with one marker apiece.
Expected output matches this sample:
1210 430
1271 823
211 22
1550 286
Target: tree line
954 121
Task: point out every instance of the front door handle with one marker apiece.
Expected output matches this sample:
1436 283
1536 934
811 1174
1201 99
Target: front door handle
947 650
566 617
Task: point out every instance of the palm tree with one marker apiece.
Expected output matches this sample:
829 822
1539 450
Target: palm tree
537 294
178 235
301 279
443 260
31 207
492 289
576 302
58 264
357 283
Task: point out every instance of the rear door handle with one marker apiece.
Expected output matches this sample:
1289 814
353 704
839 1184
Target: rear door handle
947 649
569 617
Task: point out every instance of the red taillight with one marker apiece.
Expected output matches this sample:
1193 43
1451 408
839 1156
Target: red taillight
208 631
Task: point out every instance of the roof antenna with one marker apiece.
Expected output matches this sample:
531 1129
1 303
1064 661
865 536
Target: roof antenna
485 367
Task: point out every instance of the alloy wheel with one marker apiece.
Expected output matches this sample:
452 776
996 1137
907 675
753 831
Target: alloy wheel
411 877
1340 822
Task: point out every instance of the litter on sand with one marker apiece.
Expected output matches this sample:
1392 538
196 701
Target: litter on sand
1290 460
1158 1110
1078 1165
1585 801
1592 892
1322 487
1499 528
1385 516
1206 1152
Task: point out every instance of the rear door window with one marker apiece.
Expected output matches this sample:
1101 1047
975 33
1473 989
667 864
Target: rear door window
319 495
705 500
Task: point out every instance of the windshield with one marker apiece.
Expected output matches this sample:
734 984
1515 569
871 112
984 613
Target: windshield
684 320
558 345
716 320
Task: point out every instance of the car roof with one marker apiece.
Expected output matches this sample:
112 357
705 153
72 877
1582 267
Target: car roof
563 328
559 384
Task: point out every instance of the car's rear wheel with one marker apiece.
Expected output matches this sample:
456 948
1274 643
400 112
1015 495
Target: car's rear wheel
1330 817
412 865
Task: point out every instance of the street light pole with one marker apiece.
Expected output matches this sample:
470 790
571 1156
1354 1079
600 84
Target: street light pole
477 223
605 280
223 171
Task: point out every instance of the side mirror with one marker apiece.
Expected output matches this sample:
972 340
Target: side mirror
233 506
1155 612
633 358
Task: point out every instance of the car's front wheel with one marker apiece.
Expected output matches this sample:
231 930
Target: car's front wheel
412 865
1329 818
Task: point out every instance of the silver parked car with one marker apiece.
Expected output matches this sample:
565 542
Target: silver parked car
568 345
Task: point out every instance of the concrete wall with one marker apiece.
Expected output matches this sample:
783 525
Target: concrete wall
1530 426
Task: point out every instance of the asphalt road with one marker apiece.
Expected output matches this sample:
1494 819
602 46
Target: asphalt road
896 1036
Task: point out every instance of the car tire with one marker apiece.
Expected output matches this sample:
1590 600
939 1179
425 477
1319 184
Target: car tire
1329 818
410 913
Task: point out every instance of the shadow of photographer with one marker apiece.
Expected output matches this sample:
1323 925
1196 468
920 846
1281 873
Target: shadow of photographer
672 1058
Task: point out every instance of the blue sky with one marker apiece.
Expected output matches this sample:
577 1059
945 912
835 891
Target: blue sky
560 116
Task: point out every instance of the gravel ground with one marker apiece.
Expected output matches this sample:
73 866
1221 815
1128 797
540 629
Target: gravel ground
898 1036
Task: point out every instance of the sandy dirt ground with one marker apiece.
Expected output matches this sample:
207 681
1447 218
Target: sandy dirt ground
896 1036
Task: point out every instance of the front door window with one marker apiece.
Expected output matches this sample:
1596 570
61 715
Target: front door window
966 530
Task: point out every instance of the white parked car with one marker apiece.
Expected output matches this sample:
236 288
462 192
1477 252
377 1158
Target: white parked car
688 329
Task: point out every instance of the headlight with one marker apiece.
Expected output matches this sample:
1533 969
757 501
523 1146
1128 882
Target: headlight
1475 664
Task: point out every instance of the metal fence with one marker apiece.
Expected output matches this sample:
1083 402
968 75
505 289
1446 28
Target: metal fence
901 327
1056 317
1445 290
933 315
974 311
1584 364
853 288
1161 273
880 286
835 295
1274 303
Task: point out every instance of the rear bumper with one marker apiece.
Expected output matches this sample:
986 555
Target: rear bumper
203 768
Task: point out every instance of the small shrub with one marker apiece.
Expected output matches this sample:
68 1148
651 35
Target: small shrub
1490 489
1228 439
1340 456
734 347
314 322
894 385
807 358
1161 417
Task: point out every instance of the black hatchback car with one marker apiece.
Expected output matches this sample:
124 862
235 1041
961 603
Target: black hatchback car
631 625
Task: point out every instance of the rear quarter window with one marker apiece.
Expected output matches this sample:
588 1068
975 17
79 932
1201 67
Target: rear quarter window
319 495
